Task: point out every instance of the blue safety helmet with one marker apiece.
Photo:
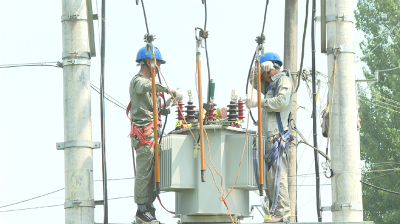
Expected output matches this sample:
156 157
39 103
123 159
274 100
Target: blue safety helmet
270 56
141 54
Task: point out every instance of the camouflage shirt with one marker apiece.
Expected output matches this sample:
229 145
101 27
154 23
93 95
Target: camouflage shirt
140 91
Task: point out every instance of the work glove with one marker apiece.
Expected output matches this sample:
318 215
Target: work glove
254 103
267 66
177 94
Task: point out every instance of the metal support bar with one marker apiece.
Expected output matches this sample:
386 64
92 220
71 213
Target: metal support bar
78 61
70 16
99 202
83 203
86 144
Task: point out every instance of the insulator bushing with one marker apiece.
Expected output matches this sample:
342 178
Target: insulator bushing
190 110
232 111
210 112
180 111
241 110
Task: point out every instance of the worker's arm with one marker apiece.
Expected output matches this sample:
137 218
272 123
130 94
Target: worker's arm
264 84
141 85
282 98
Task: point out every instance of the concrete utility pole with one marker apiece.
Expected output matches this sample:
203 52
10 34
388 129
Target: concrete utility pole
290 62
345 151
77 145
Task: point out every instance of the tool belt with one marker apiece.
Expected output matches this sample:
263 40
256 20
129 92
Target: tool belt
141 132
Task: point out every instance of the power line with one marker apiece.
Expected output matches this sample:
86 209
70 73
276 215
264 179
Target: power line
388 69
45 64
32 198
379 188
379 101
382 175
378 105
112 100
372 171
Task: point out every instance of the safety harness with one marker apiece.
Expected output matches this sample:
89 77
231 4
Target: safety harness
141 131
276 151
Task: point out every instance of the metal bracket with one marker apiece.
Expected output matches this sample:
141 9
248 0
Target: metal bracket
341 49
69 16
83 203
333 18
99 202
87 144
81 61
352 206
76 54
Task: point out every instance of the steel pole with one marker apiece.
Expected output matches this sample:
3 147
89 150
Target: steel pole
344 139
290 63
77 114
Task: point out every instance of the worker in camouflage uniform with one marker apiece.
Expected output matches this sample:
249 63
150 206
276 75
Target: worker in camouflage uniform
142 132
277 88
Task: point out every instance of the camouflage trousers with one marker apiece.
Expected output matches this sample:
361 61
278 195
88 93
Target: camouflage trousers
283 205
144 180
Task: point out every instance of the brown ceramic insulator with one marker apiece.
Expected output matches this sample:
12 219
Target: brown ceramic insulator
190 110
241 109
232 111
180 111
210 112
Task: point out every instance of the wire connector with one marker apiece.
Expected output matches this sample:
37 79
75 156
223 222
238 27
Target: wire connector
260 40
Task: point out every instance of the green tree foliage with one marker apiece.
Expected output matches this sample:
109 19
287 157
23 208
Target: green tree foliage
380 117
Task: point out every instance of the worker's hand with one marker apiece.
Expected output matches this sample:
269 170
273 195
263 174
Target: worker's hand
266 66
253 103
177 94
169 101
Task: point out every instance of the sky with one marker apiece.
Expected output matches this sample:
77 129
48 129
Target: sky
31 98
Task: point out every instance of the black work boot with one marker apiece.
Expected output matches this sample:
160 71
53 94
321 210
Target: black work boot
145 217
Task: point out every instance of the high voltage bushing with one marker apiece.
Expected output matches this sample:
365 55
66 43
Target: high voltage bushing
190 110
232 111
210 113
180 111
241 109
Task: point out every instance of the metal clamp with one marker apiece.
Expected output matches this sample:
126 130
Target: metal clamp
83 203
78 61
76 54
334 18
86 144
69 16
341 49
352 206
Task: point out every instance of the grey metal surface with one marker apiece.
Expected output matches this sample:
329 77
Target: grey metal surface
197 201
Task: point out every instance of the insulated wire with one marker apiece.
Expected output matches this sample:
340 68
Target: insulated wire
254 56
102 110
302 47
379 101
382 175
32 198
379 105
114 101
379 188
45 64
145 17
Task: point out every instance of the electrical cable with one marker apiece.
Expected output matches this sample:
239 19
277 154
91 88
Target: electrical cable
379 188
317 179
379 101
32 198
45 64
117 103
372 171
164 107
206 50
102 110
145 18
382 175
302 47
254 56
379 105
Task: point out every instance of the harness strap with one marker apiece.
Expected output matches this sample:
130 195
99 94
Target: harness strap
142 132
